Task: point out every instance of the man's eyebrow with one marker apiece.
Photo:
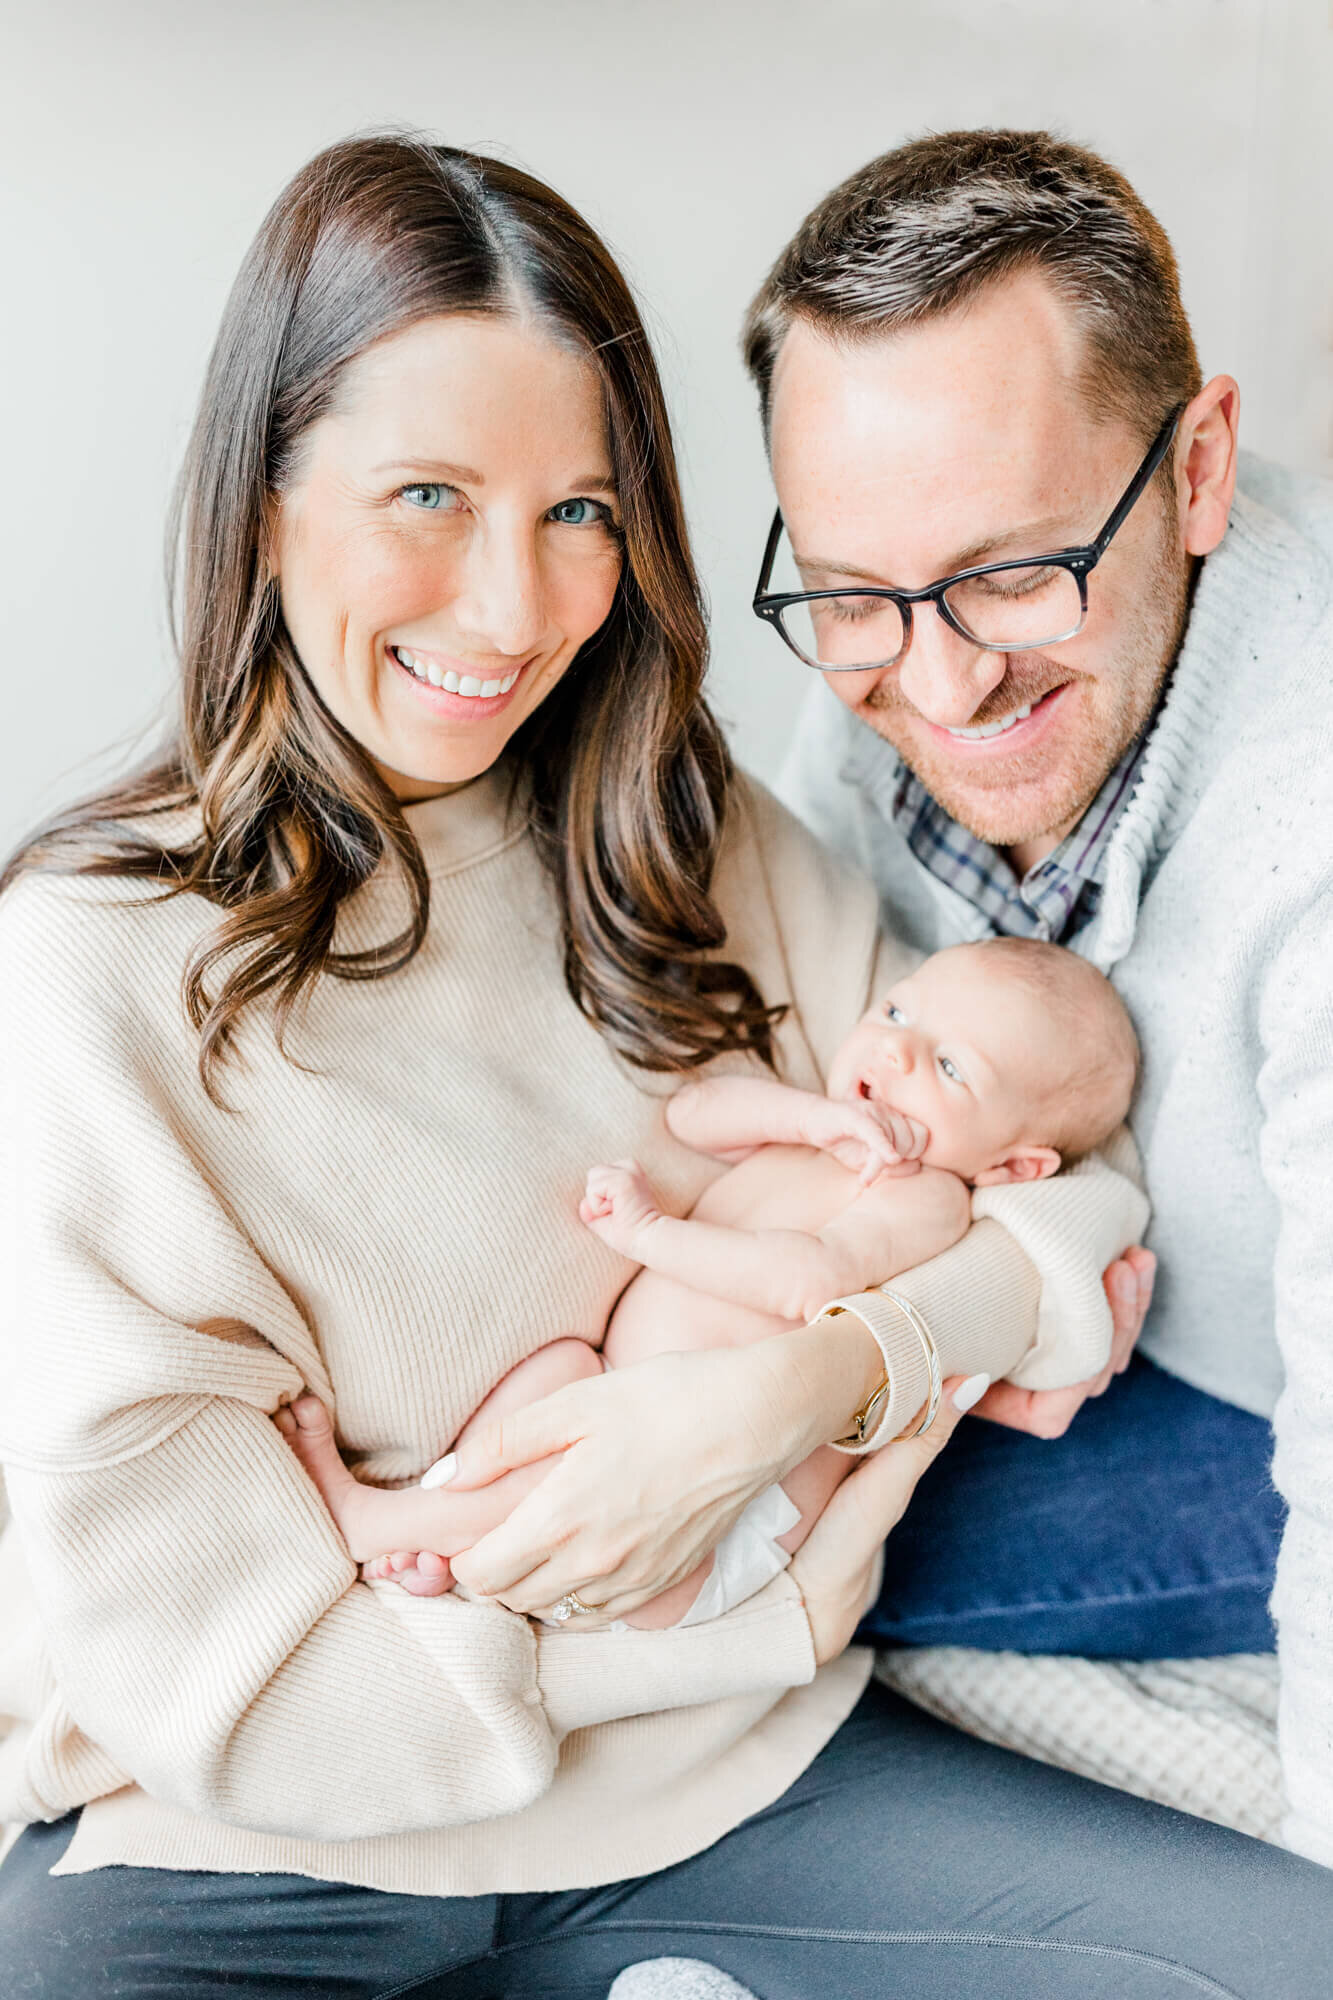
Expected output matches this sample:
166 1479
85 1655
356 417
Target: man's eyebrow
1033 538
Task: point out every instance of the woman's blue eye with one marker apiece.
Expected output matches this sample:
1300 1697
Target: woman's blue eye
432 494
580 513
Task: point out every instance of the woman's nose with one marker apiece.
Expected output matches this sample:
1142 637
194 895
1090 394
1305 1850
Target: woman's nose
501 607
944 676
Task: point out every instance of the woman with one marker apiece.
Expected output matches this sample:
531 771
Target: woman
313 1031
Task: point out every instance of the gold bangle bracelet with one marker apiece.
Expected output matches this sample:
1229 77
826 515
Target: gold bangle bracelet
865 1306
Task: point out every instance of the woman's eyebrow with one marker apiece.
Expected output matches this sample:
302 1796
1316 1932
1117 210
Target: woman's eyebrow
599 481
464 474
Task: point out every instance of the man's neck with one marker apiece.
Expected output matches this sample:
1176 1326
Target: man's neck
1029 852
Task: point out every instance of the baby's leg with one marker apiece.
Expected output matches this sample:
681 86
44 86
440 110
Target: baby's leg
409 1520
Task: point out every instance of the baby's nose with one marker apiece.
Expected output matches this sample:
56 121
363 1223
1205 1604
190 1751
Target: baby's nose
898 1052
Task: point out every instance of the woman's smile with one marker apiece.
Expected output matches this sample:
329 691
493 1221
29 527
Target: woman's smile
453 687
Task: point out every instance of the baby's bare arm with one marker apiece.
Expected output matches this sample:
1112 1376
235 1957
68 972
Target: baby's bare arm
729 1116
889 1227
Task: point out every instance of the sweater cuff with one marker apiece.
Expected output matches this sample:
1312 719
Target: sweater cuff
590 1677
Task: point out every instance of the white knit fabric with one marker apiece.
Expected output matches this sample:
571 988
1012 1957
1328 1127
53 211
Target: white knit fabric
1216 925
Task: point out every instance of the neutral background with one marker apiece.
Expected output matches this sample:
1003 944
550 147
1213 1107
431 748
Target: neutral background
142 141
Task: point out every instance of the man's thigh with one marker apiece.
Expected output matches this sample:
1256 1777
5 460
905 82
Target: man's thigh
911 1860
1149 1531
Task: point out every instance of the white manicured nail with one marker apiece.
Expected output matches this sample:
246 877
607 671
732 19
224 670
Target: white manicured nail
964 1396
441 1472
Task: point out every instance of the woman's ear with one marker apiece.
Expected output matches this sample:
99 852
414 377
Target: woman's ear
1025 1163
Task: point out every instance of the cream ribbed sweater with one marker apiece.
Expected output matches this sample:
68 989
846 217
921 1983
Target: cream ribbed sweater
185 1640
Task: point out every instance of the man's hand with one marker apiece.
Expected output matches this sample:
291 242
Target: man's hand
1048 1413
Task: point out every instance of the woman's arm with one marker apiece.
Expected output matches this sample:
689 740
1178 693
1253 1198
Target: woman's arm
204 1622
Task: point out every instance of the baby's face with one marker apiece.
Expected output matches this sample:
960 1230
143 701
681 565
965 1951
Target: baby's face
958 1046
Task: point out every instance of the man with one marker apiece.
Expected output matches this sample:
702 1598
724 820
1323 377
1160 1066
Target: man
971 356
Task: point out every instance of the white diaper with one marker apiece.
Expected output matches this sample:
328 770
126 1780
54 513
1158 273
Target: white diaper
747 1557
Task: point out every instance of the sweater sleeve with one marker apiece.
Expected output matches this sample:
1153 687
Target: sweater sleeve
1296 1154
1021 1296
205 1625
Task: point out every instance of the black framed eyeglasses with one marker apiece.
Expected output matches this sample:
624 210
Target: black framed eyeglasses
1005 607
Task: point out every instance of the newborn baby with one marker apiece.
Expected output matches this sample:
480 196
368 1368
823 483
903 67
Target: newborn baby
992 1062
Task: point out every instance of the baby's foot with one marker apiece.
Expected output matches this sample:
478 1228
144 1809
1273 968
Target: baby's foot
423 1573
618 1203
366 1516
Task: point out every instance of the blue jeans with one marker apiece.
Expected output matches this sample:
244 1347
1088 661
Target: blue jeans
907 1860
1149 1531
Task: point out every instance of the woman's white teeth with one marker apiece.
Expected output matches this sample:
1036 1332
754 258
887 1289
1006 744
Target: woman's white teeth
994 728
426 670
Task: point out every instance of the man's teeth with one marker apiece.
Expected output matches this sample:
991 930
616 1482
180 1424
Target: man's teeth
426 670
994 728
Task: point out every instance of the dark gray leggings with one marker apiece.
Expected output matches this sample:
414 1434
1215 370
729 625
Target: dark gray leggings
909 1860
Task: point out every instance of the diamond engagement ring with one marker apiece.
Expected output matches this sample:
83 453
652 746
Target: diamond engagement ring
571 1605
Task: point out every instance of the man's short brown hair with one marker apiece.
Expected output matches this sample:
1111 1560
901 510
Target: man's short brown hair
921 229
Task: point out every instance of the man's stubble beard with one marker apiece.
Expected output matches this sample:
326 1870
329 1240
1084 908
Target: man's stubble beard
987 807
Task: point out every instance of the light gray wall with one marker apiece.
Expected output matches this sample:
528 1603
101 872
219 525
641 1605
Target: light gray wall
143 139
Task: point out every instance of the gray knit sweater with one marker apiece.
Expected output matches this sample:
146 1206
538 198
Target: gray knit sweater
1216 925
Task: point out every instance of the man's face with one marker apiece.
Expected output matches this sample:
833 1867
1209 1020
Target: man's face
970 439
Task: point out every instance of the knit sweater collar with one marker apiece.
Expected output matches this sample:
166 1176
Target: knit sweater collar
459 828
1246 604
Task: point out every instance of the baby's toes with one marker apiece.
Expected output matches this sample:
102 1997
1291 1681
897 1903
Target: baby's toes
429 1576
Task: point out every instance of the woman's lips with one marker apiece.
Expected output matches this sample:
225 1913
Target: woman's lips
465 699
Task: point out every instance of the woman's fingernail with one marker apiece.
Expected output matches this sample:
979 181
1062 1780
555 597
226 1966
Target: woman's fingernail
441 1472
970 1392
1126 1287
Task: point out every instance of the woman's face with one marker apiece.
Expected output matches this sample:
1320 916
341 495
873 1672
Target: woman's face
448 542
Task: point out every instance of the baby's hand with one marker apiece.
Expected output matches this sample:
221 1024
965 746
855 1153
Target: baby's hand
618 1202
870 1139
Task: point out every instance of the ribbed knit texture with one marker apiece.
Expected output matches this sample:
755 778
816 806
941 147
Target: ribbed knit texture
1216 925
393 1225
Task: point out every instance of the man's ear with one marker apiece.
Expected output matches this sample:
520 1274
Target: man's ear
1025 1163
1206 464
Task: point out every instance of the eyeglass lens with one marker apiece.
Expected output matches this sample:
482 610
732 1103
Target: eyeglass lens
1009 609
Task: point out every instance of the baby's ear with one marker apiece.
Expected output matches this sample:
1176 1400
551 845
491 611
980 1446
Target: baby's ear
1027 1163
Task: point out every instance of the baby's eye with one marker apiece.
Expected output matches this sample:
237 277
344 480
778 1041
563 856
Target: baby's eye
432 495
582 513
894 1014
950 1069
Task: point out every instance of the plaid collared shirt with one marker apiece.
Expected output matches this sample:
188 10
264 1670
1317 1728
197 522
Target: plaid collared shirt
1058 895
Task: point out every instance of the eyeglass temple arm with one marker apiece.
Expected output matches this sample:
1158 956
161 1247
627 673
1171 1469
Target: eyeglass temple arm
770 551
1157 451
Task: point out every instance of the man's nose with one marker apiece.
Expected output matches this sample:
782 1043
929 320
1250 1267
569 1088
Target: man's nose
501 607
944 676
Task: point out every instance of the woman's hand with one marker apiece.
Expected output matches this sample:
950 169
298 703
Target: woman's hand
1048 1413
656 1463
835 1567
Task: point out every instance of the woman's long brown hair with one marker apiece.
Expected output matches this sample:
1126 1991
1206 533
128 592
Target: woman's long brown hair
627 772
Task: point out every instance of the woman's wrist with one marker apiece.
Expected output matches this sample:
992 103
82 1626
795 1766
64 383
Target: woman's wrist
836 1366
